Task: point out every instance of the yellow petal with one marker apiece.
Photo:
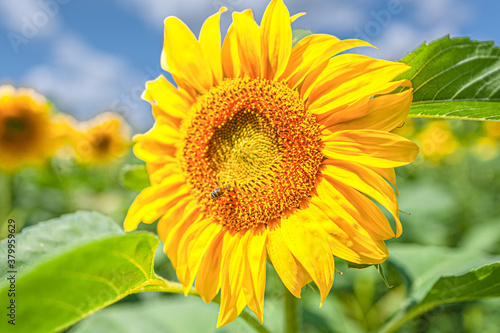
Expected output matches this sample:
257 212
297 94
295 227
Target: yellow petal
176 231
344 68
389 174
351 217
296 16
159 145
155 200
210 43
347 92
192 246
158 172
329 111
230 56
173 216
255 272
164 168
312 51
182 56
357 206
186 87
305 236
248 41
362 248
371 148
229 314
366 181
380 113
289 269
276 36
231 62
208 278
232 275
170 100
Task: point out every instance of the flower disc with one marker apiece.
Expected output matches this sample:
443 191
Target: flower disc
255 141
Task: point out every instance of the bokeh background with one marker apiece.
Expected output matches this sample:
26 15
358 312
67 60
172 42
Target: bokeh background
88 57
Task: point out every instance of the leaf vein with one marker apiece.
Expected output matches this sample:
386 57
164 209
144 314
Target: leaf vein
130 259
468 84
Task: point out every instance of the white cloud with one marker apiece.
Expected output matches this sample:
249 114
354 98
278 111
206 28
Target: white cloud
321 14
85 81
445 12
31 18
192 12
12 12
327 15
396 41
428 20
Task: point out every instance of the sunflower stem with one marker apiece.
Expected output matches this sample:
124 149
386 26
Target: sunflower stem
246 316
160 284
253 322
292 318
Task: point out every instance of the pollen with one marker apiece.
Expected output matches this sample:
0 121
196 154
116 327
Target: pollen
254 142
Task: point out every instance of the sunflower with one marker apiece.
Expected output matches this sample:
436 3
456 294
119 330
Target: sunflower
492 129
101 139
27 134
437 141
265 150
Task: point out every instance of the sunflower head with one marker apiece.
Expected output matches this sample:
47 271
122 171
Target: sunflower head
102 139
264 150
27 134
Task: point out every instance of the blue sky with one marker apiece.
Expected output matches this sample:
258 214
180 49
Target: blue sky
90 56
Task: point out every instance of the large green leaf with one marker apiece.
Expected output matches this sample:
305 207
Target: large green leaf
440 276
160 314
455 78
70 267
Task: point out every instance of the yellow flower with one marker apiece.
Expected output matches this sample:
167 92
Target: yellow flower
266 150
437 141
486 148
27 135
101 139
492 128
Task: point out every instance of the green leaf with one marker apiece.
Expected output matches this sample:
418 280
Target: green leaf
455 78
442 276
135 177
70 267
378 267
469 110
382 275
173 314
358 266
299 33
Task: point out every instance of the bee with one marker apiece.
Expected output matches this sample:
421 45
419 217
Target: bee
219 191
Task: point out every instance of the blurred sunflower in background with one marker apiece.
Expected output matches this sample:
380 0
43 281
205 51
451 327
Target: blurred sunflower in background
102 139
437 141
492 129
268 150
487 146
27 134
